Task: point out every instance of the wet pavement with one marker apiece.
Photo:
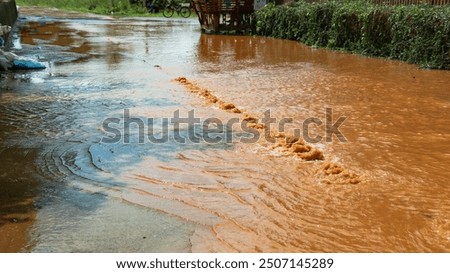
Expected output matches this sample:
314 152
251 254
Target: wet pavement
67 186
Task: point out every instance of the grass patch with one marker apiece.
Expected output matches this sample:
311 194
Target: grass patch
103 7
119 7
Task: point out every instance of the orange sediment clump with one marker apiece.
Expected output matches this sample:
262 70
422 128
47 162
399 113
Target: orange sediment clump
230 107
336 174
297 146
332 168
256 125
181 80
194 88
212 98
227 106
313 154
300 148
207 94
250 119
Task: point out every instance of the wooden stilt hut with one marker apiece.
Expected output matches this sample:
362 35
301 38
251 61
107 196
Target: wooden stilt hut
219 16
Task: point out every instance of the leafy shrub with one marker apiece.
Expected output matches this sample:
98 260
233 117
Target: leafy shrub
417 33
377 38
421 34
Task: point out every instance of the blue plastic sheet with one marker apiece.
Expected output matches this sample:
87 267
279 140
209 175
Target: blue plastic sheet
27 64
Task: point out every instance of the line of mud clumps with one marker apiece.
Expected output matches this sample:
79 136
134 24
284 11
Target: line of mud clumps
330 173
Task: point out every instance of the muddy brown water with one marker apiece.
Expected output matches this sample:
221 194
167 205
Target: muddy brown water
63 189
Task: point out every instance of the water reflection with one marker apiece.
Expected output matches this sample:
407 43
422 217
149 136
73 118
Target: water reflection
18 189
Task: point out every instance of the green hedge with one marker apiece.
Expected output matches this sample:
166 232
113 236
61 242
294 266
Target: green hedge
417 34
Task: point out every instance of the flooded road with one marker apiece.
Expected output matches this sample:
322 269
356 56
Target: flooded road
68 185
